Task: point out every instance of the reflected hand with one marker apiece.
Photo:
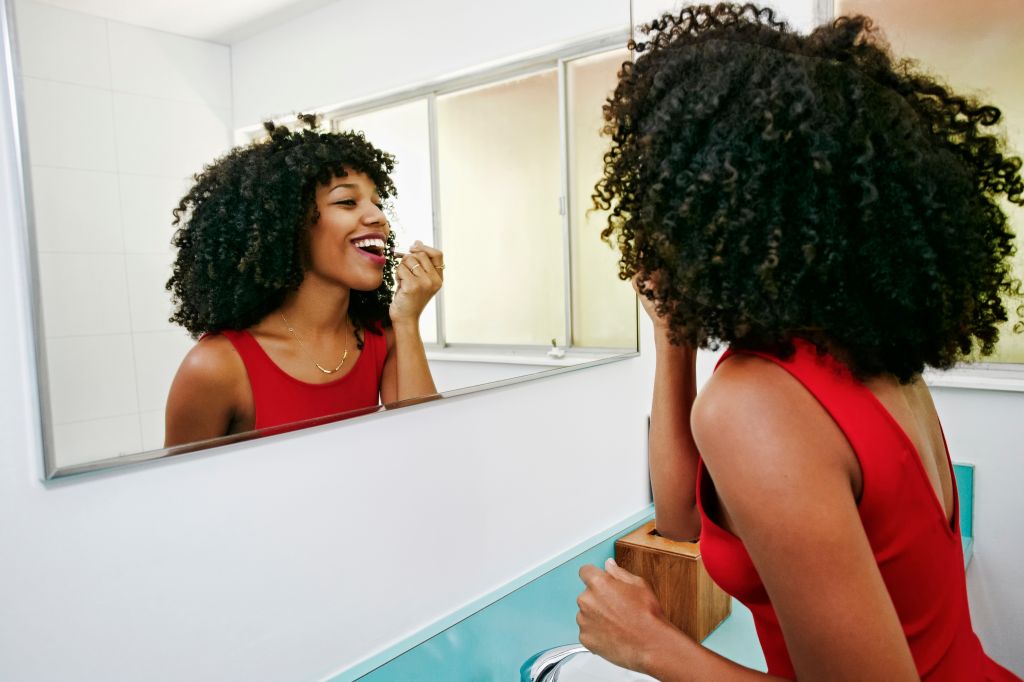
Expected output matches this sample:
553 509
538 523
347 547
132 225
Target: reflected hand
419 278
619 616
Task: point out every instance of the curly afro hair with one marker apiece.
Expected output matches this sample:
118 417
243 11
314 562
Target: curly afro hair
766 186
243 242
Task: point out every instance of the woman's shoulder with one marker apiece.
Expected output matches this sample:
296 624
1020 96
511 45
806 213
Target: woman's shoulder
753 404
210 394
742 382
213 361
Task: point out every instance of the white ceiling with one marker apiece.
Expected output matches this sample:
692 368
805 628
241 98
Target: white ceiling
220 21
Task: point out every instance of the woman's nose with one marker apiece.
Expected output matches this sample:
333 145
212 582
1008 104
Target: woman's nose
376 218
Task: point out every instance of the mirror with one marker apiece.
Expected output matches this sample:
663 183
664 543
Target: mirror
989 49
492 112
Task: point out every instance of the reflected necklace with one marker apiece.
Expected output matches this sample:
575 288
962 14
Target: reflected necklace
309 355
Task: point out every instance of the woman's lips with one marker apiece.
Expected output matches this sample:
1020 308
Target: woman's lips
372 257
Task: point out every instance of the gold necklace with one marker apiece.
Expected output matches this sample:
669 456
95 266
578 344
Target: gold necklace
309 355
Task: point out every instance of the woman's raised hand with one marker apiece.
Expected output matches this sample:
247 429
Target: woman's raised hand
419 278
660 322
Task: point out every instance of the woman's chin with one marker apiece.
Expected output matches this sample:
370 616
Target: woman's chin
362 279
367 284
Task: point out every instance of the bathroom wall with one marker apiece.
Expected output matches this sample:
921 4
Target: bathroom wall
118 118
296 556
983 428
348 51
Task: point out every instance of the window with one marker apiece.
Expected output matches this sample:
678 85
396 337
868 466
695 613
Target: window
500 185
498 170
594 292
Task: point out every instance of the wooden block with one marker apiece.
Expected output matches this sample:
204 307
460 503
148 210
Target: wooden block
690 599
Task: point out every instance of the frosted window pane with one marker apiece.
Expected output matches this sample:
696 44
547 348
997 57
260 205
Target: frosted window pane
404 131
987 53
604 307
500 179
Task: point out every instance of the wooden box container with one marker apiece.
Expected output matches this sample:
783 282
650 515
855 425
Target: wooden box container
688 596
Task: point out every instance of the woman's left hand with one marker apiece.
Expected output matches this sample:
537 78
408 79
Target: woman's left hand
619 616
419 278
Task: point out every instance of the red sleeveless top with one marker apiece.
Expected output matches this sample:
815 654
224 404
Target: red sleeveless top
918 553
280 399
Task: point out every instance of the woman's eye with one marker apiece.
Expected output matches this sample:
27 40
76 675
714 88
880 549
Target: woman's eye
346 202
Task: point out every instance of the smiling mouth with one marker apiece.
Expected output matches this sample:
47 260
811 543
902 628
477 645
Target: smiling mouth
373 246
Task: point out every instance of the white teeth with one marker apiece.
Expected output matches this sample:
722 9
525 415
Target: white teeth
363 243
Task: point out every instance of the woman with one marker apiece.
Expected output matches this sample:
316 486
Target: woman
832 215
284 271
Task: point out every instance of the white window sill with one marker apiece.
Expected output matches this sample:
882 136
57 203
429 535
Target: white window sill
522 356
979 376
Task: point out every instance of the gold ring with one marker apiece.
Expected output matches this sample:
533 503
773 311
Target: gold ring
416 266
439 267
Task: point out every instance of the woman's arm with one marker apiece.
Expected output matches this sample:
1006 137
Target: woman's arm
672 452
406 372
206 393
783 473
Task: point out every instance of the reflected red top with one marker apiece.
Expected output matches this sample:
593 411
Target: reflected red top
918 553
279 398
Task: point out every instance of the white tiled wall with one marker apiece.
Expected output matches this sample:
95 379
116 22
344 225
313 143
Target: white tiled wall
91 377
148 300
167 66
118 118
167 138
62 226
153 373
69 126
84 294
62 46
145 201
88 441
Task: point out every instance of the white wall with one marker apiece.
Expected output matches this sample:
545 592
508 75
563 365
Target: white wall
983 428
118 118
348 50
799 13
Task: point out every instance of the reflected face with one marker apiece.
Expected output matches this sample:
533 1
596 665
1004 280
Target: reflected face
347 243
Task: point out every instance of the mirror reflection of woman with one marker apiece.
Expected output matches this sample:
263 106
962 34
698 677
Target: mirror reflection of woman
284 273
834 216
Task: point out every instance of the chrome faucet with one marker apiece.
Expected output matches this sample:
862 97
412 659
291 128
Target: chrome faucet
574 663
